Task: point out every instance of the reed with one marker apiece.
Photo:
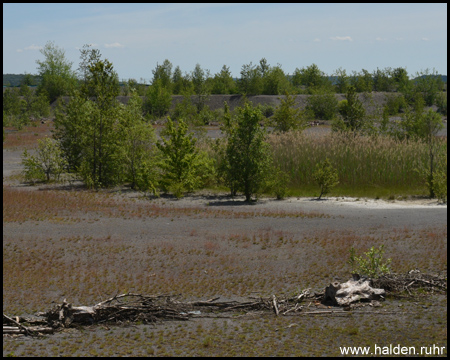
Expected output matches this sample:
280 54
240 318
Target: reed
375 165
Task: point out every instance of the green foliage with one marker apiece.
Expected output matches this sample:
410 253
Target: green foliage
439 181
277 183
47 164
312 78
287 116
441 102
352 112
139 156
362 81
326 176
342 81
163 74
382 80
158 100
324 105
247 155
275 81
251 81
223 82
429 84
57 77
395 104
201 86
184 168
371 264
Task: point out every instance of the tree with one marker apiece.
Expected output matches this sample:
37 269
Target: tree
57 77
311 77
181 83
342 81
46 164
139 155
88 127
247 155
429 84
183 167
287 116
223 82
362 82
251 82
275 81
163 73
201 89
158 100
352 112
326 176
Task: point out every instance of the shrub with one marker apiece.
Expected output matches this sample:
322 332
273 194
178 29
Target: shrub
183 167
46 164
323 106
395 104
326 176
441 102
277 183
287 117
371 264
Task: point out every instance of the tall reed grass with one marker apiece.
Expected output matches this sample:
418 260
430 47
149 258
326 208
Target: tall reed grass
376 164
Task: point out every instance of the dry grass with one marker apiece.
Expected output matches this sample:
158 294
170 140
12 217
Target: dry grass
27 137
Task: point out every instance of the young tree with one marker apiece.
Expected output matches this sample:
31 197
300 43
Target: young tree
223 82
287 116
429 84
275 81
352 112
183 166
163 73
311 77
326 176
342 81
46 164
201 86
139 155
158 100
57 77
248 156
251 82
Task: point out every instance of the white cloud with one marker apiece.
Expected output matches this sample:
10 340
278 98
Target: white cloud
19 50
425 39
316 40
380 39
114 45
33 47
341 38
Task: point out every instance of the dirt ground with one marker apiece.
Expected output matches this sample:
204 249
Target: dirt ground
65 242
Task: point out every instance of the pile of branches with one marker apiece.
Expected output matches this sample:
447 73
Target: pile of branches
131 308
414 279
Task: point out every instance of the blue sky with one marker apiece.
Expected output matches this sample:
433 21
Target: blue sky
135 37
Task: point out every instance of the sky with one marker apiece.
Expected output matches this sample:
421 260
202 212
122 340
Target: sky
137 37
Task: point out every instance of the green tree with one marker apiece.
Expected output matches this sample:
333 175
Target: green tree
201 86
352 112
247 155
311 77
383 81
48 162
55 71
139 152
429 84
223 82
158 100
342 81
288 116
250 82
275 81
164 74
362 81
323 104
326 176
183 167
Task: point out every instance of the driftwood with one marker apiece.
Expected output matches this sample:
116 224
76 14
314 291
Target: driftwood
131 307
352 291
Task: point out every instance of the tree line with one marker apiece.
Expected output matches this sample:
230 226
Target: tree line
106 143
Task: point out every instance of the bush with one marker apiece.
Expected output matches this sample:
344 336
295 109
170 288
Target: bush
323 106
395 104
48 162
441 102
326 176
371 265
277 183
287 116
